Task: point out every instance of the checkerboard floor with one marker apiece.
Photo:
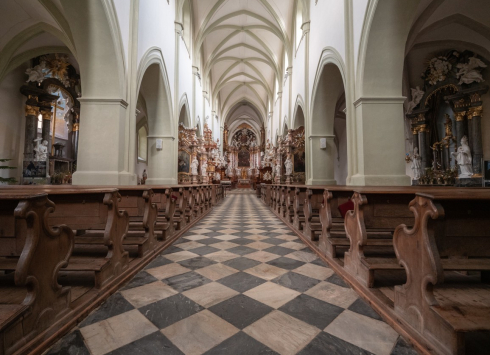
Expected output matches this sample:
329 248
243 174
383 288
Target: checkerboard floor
239 282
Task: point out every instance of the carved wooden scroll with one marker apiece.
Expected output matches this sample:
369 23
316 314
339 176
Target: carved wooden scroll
326 221
180 208
150 218
299 215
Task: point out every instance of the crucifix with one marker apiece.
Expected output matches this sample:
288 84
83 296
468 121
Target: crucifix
56 106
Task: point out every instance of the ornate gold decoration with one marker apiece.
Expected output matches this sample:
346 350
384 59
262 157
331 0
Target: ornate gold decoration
423 128
46 115
448 86
475 112
76 127
475 97
460 116
32 110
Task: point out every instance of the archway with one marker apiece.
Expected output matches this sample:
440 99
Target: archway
162 153
324 145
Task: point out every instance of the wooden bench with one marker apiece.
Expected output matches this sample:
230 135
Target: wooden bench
451 232
311 208
180 219
166 204
298 207
289 204
378 211
35 251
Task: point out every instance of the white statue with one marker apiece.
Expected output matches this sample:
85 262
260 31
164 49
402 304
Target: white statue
417 95
36 74
468 72
289 166
41 149
278 169
463 158
416 164
238 172
194 166
250 172
217 176
204 168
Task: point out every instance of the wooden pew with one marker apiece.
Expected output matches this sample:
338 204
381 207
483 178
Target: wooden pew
451 232
281 200
35 251
379 211
311 209
298 207
288 212
180 219
166 203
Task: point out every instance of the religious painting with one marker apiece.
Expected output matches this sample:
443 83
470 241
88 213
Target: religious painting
299 162
34 169
244 158
184 162
63 117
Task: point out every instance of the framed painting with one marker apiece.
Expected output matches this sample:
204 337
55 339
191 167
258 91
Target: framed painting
184 164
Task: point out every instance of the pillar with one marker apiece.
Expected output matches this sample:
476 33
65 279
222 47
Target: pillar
32 113
322 162
460 126
162 165
46 129
476 138
424 148
415 139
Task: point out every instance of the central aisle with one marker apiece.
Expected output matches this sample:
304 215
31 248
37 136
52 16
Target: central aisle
238 283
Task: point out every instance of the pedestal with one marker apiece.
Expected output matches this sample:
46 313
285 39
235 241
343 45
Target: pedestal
469 182
288 179
195 180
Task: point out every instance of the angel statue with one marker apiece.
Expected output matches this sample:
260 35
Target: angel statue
41 149
289 166
417 95
194 166
36 74
463 158
469 73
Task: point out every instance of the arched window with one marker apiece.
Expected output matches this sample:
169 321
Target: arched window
142 144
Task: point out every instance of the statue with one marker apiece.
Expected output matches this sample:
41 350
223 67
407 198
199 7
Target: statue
250 173
416 164
468 73
41 149
144 177
194 166
463 158
217 176
289 166
417 95
238 171
278 169
204 168
36 74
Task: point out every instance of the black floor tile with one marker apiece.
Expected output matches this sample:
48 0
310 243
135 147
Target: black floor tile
361 307
312 311
403 348
286 263
155 343
241 281
325 343
241 344
242 241
170 250
197 263
141 278
208 241
296 281
186 281
70 344
170 310
241 250
158 261
241 311
115 305
335 279
241 263
212 234
204 250
279 250
274 241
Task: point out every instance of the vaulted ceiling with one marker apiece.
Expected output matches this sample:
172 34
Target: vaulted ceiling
242 46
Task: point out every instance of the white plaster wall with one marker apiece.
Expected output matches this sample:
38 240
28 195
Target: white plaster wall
326 30
198 98
157 29
12 121
185 75
123 8
298 78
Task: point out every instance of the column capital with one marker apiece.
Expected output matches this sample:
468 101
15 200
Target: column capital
32 110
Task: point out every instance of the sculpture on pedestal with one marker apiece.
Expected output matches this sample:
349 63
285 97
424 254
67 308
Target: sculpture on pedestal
463 158
278 169
41 150
289 166
194 166
417 95
416 164
204 168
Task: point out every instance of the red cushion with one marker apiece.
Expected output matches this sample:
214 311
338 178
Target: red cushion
348 206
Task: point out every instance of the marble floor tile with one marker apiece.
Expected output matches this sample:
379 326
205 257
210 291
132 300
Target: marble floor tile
197 263
144 295
117 331
221 256
228 231
190 245
314 271
257 237
115 305
181 255
325 343
158 261
186 281
372 335
155 343
288 237
200 230
241 250
204 250
262 256
240 344
333 294
241 310
170 310
216 271
210 294
259 245
195 237
282 333
293 245
278 250
241 281
71 344
241 263
296 281
225 245
266 272
272 294
166 271
361 307
142 278
227 237
336 279
197 334
286 263
312 311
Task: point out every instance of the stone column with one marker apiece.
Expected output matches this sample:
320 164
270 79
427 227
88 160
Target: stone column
46 130
415 139
459 126
424 149
32 113
476 137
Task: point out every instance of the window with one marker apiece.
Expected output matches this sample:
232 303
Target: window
142 144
